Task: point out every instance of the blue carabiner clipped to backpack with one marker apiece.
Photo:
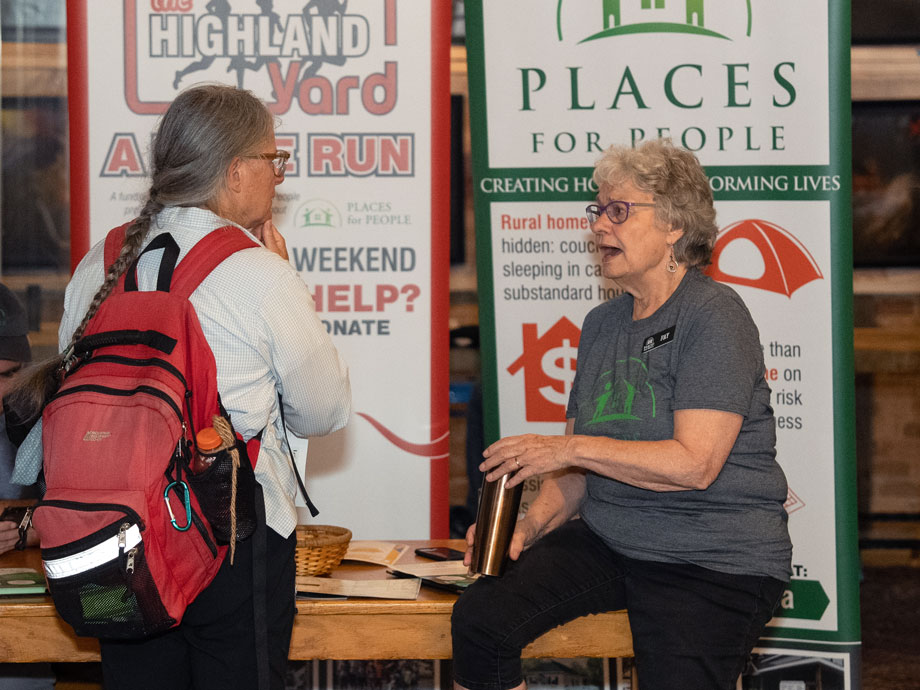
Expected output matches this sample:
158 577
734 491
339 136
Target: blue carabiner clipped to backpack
185 501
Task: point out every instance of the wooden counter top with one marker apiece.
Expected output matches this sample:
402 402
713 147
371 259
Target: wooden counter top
323 629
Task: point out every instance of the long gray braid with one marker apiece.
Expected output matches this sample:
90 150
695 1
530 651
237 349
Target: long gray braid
135 234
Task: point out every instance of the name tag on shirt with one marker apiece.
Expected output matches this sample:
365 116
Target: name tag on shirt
657 340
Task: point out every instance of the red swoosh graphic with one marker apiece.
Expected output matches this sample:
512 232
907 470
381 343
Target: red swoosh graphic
435 449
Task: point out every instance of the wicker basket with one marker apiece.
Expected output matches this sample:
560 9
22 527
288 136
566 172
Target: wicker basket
320 548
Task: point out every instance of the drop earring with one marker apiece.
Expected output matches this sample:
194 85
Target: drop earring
672 263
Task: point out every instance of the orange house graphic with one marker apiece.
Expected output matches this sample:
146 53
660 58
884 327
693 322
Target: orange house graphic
546 394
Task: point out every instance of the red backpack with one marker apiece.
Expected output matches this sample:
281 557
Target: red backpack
126 543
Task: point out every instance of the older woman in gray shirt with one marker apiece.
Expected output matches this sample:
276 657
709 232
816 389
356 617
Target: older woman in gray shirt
664 497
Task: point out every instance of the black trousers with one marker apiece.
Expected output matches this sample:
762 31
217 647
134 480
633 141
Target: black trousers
692 627
214 647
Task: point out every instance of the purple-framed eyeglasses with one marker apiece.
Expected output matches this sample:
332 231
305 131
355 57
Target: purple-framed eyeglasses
617 211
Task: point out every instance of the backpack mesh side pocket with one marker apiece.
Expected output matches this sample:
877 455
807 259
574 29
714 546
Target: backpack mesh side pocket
214 490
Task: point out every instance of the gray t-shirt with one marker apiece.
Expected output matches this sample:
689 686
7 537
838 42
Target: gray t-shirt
699 350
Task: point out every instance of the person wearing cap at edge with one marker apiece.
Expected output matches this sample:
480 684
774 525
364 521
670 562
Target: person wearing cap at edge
15 352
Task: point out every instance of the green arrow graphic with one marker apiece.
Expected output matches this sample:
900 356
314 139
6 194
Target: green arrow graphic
803 599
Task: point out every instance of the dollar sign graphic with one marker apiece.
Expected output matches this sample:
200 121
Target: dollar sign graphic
559 365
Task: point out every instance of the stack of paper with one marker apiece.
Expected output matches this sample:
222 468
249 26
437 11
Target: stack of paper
377 552
377 589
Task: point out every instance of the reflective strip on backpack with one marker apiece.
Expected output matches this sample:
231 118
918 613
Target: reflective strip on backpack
92 557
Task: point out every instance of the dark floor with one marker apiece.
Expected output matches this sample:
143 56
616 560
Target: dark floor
890 611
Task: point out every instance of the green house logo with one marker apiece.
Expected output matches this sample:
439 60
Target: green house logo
623 17
317 213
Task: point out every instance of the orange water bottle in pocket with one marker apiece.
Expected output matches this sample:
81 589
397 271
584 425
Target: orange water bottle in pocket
208 443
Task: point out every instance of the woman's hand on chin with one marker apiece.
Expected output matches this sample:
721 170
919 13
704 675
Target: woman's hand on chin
273 240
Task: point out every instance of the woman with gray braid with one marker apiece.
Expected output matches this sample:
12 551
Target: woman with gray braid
215 163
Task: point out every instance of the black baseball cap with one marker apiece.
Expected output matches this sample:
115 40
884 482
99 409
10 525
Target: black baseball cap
14 328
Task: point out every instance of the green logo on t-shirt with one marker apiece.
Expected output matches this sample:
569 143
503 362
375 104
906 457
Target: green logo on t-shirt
625 393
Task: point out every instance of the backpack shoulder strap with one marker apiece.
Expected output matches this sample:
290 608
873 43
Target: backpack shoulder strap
113 243
204 257
170 248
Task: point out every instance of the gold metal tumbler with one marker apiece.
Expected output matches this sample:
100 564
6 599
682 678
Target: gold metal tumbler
495 520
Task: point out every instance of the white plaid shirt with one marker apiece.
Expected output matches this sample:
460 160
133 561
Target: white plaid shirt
259 319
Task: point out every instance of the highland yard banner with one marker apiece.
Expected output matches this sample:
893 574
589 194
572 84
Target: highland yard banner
360 91
760 92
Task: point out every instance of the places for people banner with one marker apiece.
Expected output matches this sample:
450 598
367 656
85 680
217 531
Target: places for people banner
761 94
360 91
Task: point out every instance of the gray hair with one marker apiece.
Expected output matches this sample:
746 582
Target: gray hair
198 137
678 185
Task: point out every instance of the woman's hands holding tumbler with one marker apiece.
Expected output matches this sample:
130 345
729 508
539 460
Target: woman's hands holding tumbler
525 534
526 456
563 486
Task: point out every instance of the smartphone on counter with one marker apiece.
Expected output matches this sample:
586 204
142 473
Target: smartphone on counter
439 553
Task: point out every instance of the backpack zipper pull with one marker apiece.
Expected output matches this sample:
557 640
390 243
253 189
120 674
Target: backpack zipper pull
128 558
123 537
24 528
129 574
67 358
70 359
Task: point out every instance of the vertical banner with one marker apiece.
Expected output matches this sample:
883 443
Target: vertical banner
761 95
360 91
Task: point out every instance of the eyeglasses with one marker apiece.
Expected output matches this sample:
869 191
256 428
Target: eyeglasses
617 211
278 160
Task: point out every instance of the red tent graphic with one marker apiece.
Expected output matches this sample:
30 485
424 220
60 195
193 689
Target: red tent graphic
787 263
